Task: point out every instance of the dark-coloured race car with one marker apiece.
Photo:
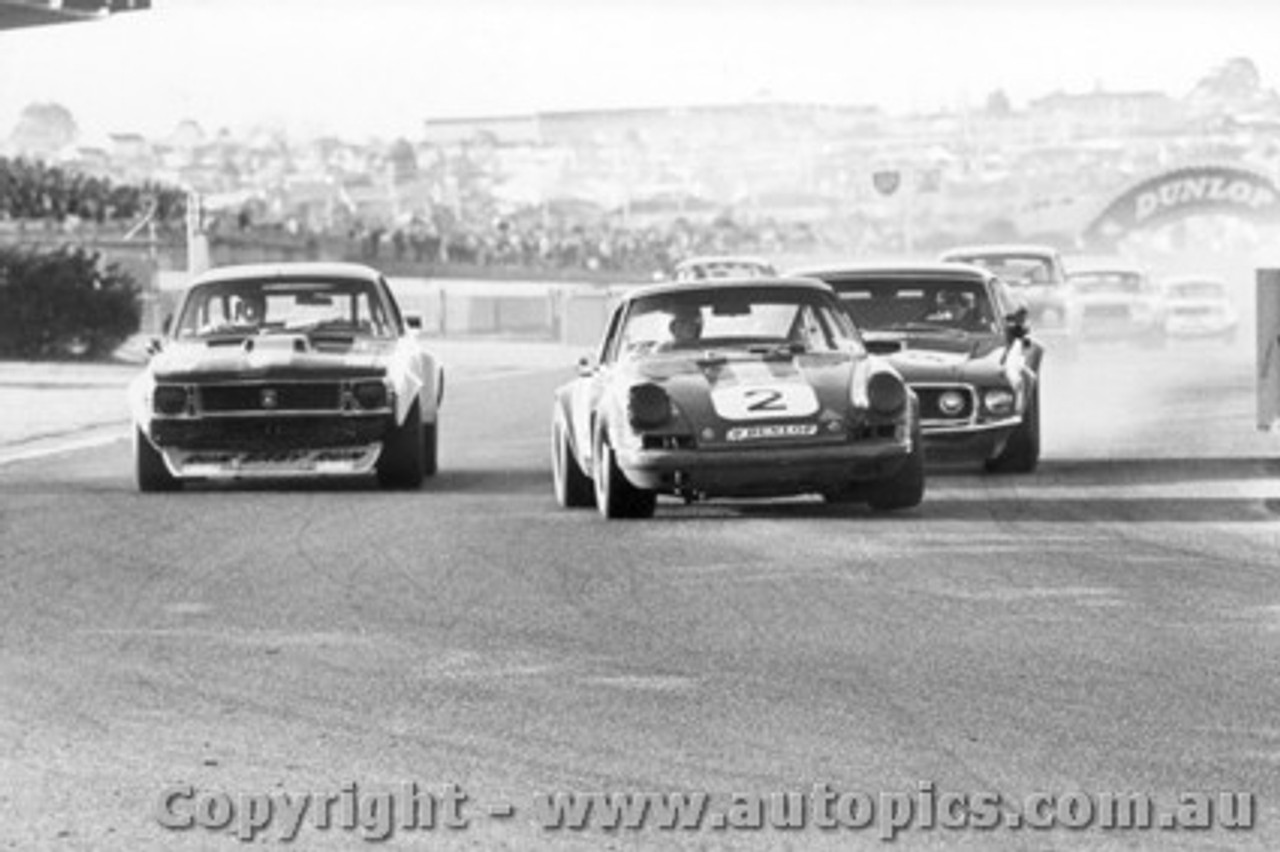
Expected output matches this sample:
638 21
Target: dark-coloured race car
1037 274
1118 302
296 369
960 338
703 267
744 388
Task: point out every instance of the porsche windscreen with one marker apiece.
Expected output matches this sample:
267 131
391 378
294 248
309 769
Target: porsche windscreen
344 307
896 305
750 319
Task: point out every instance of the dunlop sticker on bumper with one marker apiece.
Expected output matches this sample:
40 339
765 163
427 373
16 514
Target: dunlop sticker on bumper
756 433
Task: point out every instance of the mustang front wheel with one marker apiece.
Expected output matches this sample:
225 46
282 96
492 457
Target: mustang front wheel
1022 453
615 496
149 467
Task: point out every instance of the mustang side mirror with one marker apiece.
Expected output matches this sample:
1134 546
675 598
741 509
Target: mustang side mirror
1015 325
154 345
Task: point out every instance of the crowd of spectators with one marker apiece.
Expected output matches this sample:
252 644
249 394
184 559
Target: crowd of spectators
604 246
33 191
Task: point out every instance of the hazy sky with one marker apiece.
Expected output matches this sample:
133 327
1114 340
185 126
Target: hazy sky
362 68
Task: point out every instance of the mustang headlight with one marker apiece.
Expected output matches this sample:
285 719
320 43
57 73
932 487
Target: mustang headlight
370 394
648 406
998 402
886 394
951 403
169 399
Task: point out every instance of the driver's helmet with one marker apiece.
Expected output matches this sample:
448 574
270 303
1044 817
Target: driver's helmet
251 308
686 322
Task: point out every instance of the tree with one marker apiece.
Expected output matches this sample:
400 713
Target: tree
43 129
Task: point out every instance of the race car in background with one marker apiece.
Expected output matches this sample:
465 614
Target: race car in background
742 388
961 340
293 369
705 267
1118 302
1199 306
1038 276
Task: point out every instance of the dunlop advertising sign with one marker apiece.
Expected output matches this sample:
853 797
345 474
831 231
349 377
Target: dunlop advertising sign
1183 192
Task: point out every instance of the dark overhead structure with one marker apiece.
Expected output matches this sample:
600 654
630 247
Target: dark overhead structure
36 13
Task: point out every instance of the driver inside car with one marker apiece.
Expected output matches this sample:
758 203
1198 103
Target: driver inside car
685 326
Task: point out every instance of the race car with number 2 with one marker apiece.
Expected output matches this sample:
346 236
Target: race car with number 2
742 388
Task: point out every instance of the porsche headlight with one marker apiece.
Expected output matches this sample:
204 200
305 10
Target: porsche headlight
169 399
999 401
648 406
886 394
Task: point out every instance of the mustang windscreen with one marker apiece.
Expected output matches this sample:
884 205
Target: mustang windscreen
903 306
265 307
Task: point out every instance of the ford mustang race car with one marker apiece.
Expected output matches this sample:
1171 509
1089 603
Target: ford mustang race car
1037 274
960 339
288 369
745 388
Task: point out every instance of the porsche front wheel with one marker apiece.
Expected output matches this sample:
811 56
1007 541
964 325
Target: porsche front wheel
905 489
573 488
615 496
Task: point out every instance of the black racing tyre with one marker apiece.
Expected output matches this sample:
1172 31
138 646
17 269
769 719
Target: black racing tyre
905 488
402 463
151 472
431 447
573 488
616 497
1022 452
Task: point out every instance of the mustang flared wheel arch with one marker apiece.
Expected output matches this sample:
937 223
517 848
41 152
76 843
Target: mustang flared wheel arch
1022 452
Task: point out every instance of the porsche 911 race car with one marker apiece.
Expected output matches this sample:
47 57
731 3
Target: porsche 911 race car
296 369
742 388
959 337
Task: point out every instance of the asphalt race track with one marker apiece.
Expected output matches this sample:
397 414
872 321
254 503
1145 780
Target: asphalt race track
1109 624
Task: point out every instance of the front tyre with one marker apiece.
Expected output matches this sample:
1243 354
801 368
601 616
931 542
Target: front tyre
403 460
574 489
151 472
905 489
1022 452
616 497
431 447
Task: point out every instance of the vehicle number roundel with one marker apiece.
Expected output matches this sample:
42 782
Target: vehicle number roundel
764 402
